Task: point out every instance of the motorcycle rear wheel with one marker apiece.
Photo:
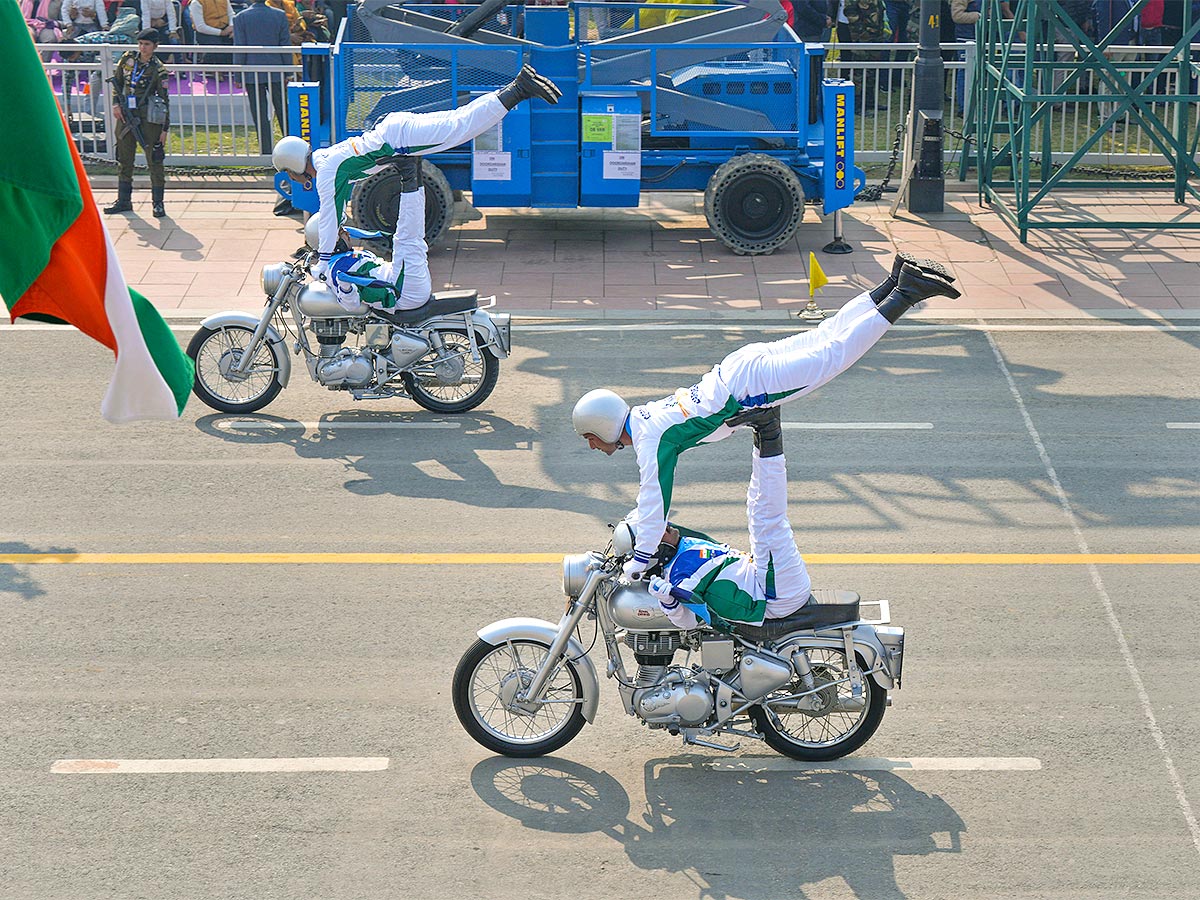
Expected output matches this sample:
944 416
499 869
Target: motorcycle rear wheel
488 673
430 394
831 736
212 349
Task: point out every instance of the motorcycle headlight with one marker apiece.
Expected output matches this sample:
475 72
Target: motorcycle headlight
272 277
575 573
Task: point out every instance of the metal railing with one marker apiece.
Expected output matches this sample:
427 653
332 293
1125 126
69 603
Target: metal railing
210 117
211 122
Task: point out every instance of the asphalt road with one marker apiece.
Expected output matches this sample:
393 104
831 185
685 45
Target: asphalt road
1040 442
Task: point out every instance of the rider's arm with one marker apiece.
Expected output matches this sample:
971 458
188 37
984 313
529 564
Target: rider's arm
332 211
656 466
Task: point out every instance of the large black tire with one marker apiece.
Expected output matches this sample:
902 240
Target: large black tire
376 200
439 398
817 751
754 203
210 349
467 674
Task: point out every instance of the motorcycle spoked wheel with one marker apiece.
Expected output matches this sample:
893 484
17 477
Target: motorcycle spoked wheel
478 380
213 350
816 738
487 677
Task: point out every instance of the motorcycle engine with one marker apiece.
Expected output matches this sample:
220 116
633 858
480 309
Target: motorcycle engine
672 698
346 368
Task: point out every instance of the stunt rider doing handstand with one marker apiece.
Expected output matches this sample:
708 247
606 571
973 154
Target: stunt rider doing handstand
768 582
738 388
399 139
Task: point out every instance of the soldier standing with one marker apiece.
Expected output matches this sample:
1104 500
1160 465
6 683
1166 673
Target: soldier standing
141 107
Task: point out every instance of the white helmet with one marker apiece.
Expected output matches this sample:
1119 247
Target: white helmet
623 538
291 155
312 231
602 413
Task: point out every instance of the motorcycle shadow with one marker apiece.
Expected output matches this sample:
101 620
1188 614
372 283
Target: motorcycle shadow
757 835
389 453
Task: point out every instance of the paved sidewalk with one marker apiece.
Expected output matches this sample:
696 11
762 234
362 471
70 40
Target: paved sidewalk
662 259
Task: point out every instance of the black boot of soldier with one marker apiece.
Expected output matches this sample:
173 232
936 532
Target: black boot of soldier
122 203
156 196
409 170
914 286
928 266
768 434
527 85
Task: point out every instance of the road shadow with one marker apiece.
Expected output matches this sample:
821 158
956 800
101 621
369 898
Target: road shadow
752 835
15 578
437 462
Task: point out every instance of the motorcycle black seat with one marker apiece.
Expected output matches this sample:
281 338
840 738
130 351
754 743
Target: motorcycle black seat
441 303
823 609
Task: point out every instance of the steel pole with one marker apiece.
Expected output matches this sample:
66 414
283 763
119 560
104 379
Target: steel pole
927 185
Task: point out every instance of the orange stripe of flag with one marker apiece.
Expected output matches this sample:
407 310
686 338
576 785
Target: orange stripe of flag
72 286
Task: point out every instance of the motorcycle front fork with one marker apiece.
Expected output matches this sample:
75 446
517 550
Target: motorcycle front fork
566 627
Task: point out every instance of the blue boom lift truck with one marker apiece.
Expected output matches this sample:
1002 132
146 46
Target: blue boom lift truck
721 99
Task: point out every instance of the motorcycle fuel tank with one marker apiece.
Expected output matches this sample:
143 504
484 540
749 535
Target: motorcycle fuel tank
633 608
317 301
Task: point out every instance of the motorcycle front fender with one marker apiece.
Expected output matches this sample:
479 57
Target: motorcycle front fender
273 337
523 628
493 330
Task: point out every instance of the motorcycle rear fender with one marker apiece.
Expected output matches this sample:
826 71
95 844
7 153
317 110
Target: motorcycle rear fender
233 317
865 642
523 628
482 324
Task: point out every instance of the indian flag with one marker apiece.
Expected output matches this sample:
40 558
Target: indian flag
56 259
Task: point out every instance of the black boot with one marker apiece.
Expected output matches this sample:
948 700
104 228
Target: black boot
409 170
156 196
124 195
930 266
526 85
914 286
768 431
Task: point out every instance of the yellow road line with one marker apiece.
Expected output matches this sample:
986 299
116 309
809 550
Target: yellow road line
491 559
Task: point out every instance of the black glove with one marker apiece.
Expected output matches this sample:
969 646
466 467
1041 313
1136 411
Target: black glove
158 152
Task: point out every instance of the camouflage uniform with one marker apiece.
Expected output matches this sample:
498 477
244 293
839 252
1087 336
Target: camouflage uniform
867 24
152 79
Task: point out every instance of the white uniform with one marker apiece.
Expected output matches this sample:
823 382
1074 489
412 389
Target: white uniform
769 582
757 375
397 134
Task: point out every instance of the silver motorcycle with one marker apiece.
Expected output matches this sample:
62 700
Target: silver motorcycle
445 355
813 685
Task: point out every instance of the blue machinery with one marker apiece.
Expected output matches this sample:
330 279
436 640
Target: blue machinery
720 99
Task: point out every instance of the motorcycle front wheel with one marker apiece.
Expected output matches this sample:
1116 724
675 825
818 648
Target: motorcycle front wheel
215 351
473 385
486 682
843 723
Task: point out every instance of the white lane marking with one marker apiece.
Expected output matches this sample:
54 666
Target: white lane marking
1183 424
860 426
1110 614
212 766
264 425
878 764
